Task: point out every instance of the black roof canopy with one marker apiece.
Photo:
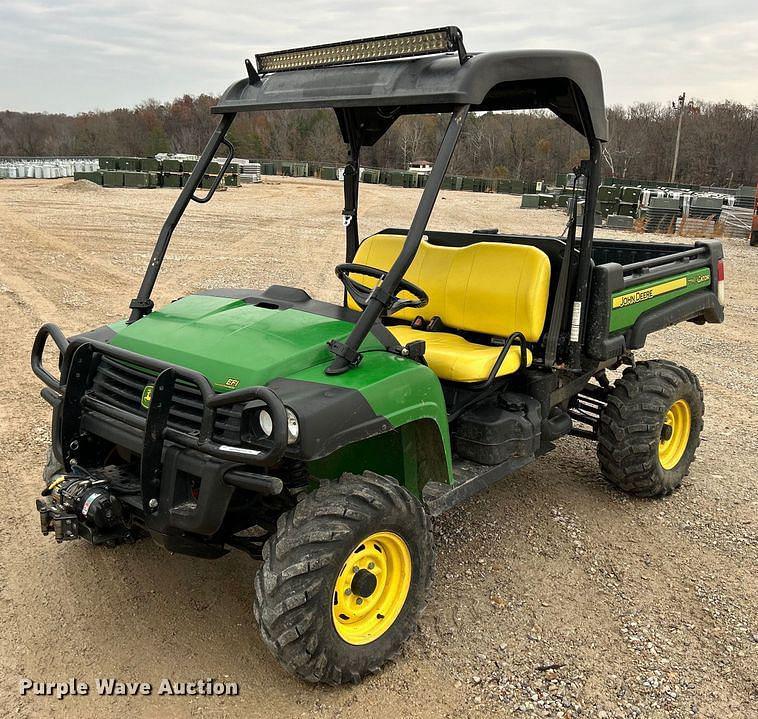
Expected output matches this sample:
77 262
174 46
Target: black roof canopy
566 82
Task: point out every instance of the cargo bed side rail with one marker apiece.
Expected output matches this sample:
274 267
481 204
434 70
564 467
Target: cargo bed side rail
630 301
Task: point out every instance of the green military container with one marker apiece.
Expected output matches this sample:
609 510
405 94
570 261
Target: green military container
421 180
410 179
149 164
608 207
706 203
207 181
188 165
608 193
563 199
467 183
234 168
153 179
620 222
172 179
561 179
546 200
504 186
483 184
267 168
172 166
456 182
128 164
136 179
627 209
530 201
232 179
113 178
664 203
517 187
370 176
396 178
327 172
95 177
285 168
107 163
449 182
213 168
630 194
299 169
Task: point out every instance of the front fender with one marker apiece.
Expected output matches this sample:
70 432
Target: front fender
384 393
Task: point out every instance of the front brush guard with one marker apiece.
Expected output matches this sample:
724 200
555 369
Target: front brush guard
69 396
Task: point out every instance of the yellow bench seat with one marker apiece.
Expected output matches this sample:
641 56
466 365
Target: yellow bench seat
492 289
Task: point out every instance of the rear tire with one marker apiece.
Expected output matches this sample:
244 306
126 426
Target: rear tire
650 428
321 627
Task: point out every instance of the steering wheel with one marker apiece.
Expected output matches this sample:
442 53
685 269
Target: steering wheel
361 293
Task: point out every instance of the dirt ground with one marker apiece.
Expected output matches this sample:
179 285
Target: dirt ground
555 596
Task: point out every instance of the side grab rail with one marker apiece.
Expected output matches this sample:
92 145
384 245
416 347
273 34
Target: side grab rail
220 176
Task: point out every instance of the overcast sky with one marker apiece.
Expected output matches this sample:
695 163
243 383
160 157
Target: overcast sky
81 55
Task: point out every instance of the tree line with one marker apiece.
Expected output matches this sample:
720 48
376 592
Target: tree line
719 144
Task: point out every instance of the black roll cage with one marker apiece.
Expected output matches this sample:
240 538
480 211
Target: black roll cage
569 307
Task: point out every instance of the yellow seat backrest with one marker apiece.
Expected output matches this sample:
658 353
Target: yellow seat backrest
488 287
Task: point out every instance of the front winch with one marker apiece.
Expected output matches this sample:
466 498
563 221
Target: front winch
78 504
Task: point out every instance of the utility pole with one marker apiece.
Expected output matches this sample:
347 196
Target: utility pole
681 106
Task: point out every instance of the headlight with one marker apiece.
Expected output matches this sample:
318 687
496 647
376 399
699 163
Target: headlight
293 428
267 425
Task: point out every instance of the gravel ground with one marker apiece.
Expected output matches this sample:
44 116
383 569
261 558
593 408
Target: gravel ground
555 596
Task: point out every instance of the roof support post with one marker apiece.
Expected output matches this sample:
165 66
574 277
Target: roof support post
581 287
345 354
351 182
142 305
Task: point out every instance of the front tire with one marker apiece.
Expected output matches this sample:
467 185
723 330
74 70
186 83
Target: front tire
344 579
51 468
650 428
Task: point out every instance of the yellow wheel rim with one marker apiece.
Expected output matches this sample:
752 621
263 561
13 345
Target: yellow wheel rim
675 434
371 588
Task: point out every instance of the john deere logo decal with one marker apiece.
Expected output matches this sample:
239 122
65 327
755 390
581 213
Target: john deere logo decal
147 395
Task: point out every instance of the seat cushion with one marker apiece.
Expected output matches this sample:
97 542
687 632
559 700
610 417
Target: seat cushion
453 358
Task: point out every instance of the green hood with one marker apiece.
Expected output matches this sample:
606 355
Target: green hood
237 344
233 343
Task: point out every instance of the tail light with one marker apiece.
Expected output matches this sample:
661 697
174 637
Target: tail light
720 278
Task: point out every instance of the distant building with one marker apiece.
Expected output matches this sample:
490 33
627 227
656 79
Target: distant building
420 167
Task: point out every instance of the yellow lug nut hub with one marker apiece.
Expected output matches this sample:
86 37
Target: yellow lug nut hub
371 588
675 434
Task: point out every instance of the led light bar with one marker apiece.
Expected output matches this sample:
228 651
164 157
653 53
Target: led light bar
386 47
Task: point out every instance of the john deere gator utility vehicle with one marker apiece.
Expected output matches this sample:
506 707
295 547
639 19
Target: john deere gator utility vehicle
321 437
